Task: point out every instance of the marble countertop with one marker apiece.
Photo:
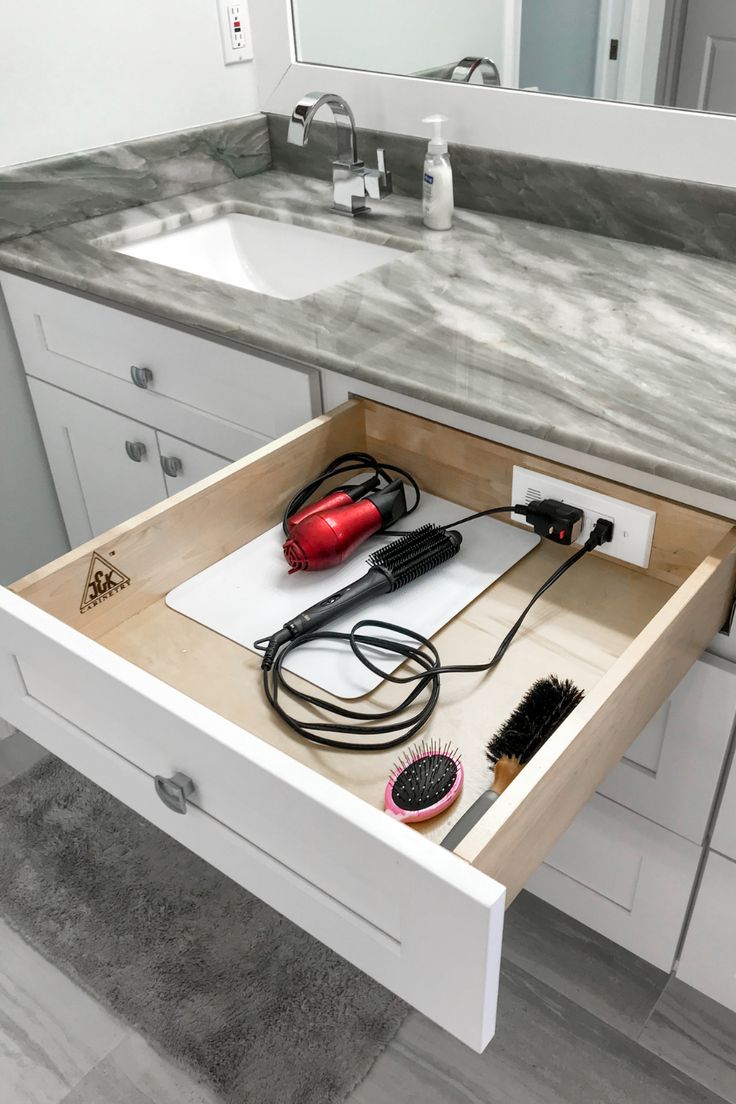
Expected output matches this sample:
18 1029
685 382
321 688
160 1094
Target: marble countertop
625 352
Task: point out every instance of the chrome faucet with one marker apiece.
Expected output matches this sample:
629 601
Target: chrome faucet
464 70
352 182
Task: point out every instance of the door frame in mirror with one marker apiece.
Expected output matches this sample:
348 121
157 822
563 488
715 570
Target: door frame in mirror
659 141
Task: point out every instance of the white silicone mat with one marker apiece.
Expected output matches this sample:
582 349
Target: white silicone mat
249 594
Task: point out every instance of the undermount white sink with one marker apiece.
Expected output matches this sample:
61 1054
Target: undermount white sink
273 258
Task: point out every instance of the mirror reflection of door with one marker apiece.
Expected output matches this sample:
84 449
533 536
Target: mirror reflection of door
707 72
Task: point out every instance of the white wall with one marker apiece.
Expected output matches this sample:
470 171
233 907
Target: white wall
75 74
95 75
404 36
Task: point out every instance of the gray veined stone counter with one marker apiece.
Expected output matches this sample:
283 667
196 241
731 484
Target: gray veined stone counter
623 351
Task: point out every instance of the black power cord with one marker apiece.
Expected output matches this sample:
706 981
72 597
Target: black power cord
348 464
408 645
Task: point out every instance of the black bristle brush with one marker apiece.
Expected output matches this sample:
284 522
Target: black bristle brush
546 704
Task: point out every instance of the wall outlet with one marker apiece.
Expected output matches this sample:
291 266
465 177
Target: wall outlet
237 43
633 526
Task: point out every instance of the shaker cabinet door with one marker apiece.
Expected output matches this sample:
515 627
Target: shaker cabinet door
105 467
184 464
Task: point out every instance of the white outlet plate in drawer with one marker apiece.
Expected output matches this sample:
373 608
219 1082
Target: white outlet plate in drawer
633 525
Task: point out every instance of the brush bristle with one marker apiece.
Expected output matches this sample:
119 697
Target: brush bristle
414 555
543 708
424 775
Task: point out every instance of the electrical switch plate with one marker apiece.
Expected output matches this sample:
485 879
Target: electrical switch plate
633 526
237 43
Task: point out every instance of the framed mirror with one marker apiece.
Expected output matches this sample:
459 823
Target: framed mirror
640 85
669 53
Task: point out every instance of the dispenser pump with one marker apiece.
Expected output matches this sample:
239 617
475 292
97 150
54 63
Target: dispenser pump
437 192
437 143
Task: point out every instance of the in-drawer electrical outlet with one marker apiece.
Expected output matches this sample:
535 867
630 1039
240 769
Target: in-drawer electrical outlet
633 526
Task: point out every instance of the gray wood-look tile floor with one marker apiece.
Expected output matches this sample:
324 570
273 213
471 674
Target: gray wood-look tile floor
580 1022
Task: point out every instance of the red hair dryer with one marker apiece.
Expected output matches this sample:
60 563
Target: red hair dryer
322 537
341 496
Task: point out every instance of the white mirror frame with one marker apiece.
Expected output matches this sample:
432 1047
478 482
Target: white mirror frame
685 145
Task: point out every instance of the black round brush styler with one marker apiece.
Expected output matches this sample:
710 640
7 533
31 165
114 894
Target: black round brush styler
391 568
544 707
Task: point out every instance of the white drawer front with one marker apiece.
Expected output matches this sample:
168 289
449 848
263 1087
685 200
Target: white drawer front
624 877
671 773
708 960
724 835
56 329
378 893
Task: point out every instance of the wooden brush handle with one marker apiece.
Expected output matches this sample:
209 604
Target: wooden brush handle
504 774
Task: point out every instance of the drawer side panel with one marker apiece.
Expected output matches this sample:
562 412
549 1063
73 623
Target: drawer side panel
512 839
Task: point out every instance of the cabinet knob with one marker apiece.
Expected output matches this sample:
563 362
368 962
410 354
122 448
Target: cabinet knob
136 450
174 791
172 465
141 377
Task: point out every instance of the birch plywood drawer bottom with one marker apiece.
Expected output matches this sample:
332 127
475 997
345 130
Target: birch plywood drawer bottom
129 690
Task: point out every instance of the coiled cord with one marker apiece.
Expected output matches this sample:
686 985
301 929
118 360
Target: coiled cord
411 646
348 464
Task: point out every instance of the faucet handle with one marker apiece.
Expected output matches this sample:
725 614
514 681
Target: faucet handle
384 176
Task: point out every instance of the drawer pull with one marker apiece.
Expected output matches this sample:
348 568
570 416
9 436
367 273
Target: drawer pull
136 450
172 466
174 791
141 377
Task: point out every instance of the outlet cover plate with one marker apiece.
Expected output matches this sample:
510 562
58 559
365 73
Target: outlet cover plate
237 42
633 526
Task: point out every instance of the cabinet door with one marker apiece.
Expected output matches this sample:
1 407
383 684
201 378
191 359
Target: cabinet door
184 464
708 959
724 835
105 467
670 773
624 877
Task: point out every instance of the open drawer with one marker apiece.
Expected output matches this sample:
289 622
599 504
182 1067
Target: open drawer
126 689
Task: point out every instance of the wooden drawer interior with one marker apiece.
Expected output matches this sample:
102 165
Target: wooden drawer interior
624 634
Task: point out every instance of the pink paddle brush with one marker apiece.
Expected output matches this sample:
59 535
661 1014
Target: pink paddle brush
424 782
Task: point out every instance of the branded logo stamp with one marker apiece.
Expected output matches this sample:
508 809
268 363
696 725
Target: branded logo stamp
103 580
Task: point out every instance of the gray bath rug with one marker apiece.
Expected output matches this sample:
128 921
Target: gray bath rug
214 978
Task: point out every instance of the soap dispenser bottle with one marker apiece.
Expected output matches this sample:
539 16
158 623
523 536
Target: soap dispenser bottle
438 199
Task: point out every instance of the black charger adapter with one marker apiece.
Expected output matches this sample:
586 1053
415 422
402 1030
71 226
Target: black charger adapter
555 521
